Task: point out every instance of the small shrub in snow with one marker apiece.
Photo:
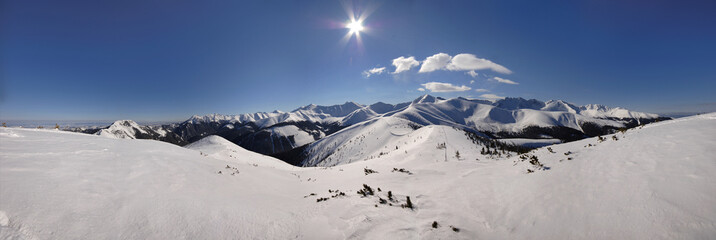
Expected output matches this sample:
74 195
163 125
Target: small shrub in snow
535 161
615 138
457 154
369 171
454 229
402 170
408 203
550 149
600 139
366 191
435 224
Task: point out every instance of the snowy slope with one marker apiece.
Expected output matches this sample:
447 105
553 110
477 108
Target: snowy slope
655 182
362 141
220 148
651 183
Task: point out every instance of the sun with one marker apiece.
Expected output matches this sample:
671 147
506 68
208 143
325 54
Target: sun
355 27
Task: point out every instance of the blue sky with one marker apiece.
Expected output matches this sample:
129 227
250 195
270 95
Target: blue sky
168 60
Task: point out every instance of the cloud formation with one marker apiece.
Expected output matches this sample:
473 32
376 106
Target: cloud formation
373 71
491 96
461 62
469 62
421 89
443 87
435 62
502 80
481 90
403 64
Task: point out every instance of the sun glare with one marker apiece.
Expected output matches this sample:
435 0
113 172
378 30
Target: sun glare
355 27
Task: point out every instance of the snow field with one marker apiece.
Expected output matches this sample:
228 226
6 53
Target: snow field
650 183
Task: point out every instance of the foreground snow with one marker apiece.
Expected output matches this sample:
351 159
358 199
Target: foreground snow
650 183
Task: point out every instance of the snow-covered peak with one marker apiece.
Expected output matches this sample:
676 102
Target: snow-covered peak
601 111
597 107
340 110
122 129
426 99
241 118
381 107
559 106
212 118
125 123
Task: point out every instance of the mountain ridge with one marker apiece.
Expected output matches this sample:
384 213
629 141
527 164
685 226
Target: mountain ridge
280 132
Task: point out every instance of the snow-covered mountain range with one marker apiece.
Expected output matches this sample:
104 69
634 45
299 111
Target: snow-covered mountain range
288 134
431 182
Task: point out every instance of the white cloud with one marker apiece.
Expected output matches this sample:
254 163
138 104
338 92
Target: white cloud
472 81
421 89
481 90
491 96
373 71
502 80
468 62
435 62
444 87
472 73
403 64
